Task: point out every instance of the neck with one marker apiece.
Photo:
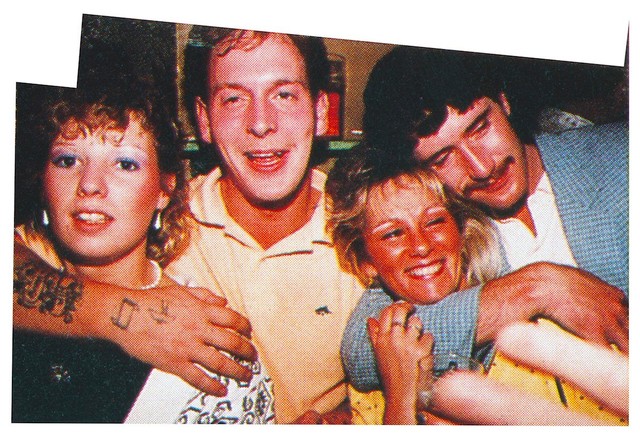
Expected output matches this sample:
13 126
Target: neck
133 271
268 224
535 169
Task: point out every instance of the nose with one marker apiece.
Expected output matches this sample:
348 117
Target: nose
262 119
92 181
420 245
478 162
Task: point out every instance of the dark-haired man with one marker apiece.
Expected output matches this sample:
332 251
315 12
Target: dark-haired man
454 112
560 201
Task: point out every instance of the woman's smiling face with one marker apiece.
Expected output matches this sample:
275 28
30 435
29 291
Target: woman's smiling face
412 242
101 190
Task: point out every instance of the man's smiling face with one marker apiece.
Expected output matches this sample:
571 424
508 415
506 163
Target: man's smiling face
261 115
477 154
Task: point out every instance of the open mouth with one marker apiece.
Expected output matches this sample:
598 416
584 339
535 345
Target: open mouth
92 218
265 161
426 271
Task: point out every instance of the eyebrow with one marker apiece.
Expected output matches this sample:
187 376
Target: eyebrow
467 130
477 120
428 211
277 83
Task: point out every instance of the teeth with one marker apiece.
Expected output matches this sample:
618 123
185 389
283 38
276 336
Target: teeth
92 217
424 271
264 155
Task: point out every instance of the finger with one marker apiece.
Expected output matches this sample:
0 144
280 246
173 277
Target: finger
216 362
567 356
399 313
206 296
620 338
414 326
426 341
197 378
231 342
373 328
386 319
224 317
470 398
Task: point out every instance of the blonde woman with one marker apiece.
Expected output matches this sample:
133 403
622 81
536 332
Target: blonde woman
396 228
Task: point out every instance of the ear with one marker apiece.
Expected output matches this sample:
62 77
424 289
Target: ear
202 118
369 270
322 113
168 184
504 103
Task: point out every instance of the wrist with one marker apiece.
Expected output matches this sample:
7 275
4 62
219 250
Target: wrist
400 413
108 312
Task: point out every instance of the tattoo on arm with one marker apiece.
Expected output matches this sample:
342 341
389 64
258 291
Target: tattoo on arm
128 307
125 313
51 291
162 316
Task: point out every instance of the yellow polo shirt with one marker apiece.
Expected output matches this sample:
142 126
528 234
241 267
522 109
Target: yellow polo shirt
294 294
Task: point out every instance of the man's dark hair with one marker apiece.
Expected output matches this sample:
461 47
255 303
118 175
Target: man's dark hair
204 41
410 88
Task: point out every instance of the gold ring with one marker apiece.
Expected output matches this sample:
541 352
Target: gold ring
397 323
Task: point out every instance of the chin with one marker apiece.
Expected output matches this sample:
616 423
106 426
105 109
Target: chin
96 255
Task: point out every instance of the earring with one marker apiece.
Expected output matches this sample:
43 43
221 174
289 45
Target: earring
45 218
156 222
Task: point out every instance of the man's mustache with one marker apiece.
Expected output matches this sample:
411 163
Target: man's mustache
479 184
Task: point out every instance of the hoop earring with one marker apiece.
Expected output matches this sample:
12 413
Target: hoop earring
45 218
156 222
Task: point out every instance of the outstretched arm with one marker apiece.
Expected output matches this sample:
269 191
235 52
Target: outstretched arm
597 370
572 298
174 328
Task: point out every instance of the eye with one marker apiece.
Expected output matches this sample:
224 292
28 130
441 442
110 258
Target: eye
440 158
127 164
231 98
286 95
392 234
436 221
480 127
64 161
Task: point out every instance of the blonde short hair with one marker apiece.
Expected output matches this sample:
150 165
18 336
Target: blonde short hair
348 187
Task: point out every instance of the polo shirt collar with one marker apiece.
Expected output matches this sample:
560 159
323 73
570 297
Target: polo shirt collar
208 208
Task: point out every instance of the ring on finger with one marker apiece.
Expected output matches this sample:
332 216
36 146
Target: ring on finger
397 323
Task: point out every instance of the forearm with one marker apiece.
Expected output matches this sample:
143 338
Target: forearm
49 301
573 298
176 329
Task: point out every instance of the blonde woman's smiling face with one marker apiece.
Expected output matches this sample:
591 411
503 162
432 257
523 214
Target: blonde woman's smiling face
412 242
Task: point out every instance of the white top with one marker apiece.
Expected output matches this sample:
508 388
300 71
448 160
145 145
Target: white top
165 398
550 244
